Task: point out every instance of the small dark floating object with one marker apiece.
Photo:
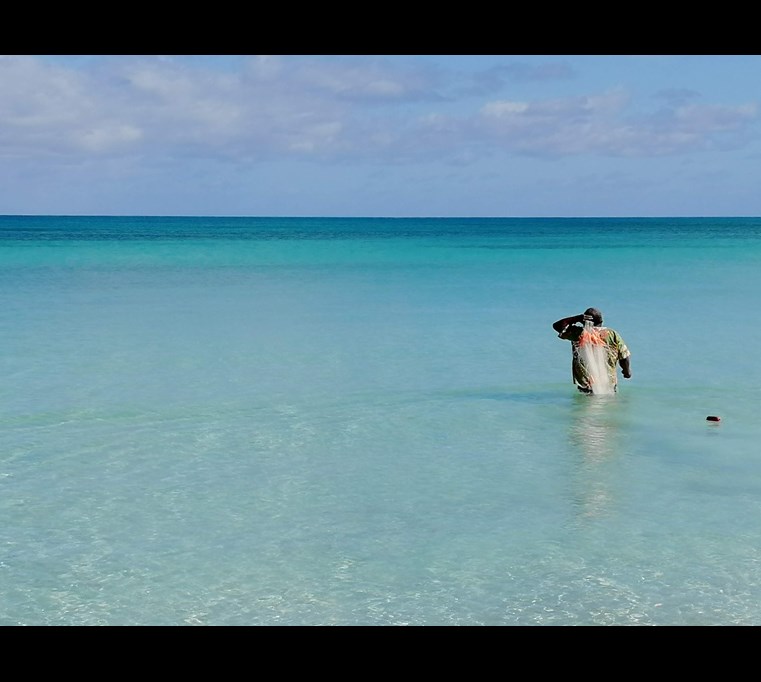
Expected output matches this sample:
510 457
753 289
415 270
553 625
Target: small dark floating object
711 418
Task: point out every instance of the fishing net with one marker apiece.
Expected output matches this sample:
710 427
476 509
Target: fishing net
593 354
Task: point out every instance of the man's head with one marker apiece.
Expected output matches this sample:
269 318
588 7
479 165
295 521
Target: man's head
595 314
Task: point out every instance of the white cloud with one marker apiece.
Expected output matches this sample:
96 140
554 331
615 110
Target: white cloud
360 108
503 109
107 138
599 124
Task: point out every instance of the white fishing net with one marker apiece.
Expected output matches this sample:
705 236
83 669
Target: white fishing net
593 354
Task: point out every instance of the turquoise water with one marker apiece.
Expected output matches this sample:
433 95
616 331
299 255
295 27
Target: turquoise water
232 421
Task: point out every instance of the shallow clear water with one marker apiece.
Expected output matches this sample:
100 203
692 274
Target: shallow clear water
210 421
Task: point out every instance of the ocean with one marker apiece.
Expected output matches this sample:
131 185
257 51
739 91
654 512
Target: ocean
371 422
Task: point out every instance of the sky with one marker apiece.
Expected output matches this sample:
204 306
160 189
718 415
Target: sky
381 135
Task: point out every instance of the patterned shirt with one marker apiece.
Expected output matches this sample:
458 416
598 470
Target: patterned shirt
610 338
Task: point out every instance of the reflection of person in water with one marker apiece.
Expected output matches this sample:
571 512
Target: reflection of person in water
593 433
586 332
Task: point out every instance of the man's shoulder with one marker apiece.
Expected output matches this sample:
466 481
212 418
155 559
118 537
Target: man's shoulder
613 334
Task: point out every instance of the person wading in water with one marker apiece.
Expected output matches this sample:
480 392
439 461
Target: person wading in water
595 352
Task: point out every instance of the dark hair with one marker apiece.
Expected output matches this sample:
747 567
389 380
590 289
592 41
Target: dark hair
595 314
